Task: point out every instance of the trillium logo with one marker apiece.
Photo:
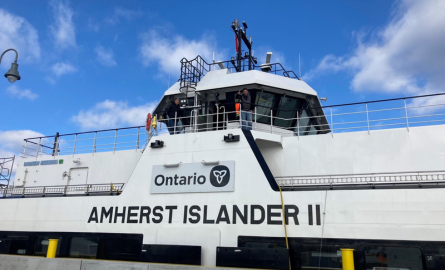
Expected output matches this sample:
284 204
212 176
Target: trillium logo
219 176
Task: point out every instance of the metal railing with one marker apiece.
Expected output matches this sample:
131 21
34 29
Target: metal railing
87 189
193 70
6 165
87 142
364 116
370 180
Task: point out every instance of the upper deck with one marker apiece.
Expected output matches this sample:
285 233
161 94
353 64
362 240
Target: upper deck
100 157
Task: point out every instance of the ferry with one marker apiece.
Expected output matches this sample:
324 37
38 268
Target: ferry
288 189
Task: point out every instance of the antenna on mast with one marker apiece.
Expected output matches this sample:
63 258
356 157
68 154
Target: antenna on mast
240 37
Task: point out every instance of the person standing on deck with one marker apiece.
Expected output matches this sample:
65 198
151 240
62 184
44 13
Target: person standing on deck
246 109
174 113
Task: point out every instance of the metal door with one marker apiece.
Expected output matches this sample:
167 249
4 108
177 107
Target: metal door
78 176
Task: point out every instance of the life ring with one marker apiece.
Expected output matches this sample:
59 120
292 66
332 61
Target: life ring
148 122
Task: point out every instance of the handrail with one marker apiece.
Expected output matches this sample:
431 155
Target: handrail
64 190
278 109
299 124
363 180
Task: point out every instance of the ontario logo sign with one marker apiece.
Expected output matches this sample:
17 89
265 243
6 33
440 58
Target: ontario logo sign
193 177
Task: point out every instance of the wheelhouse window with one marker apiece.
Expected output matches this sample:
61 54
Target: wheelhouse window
304 124
393 257
264 102
287 110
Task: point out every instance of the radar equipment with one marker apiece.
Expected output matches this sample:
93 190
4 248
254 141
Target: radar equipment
266 67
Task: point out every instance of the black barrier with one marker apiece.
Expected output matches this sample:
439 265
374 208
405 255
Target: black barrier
4 245
174 254
263 258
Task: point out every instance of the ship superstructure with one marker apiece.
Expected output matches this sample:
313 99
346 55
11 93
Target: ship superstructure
306 181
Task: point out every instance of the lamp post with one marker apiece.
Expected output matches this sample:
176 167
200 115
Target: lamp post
13 74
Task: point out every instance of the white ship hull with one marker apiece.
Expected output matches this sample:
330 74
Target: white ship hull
389 214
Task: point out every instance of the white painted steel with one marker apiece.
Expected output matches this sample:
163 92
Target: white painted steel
397 214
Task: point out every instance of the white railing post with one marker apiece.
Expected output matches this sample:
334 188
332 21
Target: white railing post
94 144
271 121
332 124
137 140
255 119
217 116
115 138
240 122
174 130
74 147
367 118
38 148
156 128
406 115
298 125
24 149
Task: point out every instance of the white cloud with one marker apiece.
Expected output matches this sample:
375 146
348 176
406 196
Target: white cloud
122 13
105 56
11 142
16 92
18 33
407 56
114 18
167 53
112 114
93 25
60 69
63 29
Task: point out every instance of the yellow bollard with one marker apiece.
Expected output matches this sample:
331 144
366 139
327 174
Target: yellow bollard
347 257
52 248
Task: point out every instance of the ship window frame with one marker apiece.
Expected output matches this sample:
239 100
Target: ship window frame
46 237
313 248
265 115
420 265
14 238
292 123
88 238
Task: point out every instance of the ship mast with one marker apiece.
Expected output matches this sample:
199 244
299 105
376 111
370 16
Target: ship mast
240 35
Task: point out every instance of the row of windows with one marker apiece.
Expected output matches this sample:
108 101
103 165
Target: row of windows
368 255
307 253
79 247
289 108
329 256
375 256
75 245
285 116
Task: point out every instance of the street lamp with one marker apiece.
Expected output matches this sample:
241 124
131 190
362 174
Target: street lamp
13 74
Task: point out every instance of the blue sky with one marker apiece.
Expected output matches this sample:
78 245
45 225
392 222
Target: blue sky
89 65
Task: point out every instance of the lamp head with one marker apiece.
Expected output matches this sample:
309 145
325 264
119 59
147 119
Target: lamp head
13 74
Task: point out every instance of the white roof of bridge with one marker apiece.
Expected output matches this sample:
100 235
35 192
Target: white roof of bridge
223 78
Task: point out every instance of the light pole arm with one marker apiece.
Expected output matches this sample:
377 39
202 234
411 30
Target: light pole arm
16 55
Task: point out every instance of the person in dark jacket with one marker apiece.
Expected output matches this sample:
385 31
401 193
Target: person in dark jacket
174 112
246 110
